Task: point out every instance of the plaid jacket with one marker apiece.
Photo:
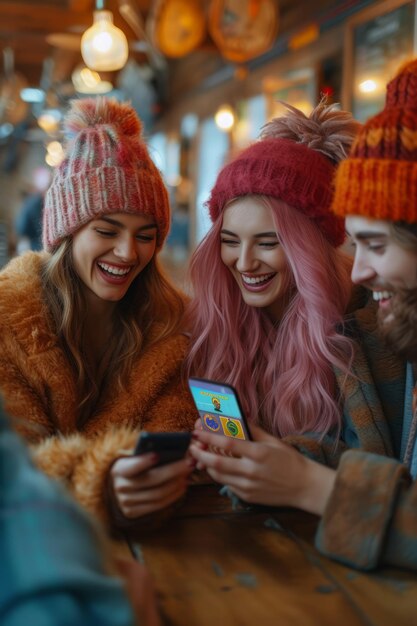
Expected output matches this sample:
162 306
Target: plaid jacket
51 568
372 399
371 517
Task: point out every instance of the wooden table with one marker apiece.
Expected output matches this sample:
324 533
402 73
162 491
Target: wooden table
214 566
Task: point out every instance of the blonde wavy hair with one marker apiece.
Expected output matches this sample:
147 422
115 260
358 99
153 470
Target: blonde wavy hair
150 298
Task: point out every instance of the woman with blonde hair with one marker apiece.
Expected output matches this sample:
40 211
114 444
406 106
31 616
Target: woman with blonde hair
91 342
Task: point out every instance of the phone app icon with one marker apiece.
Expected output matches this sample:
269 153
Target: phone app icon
211 422
232 428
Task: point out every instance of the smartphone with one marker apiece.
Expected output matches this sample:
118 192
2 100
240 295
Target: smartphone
219 408
169 446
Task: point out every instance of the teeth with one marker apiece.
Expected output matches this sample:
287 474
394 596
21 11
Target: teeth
116 271
382 295
255 280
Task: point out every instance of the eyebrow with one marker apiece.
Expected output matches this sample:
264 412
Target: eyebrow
257 236
367 234
109 220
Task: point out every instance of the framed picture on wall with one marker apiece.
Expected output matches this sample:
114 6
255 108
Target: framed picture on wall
378 40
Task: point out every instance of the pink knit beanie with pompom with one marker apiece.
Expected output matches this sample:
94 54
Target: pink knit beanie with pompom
107 169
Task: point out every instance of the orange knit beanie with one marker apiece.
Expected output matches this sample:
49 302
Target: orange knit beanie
379 178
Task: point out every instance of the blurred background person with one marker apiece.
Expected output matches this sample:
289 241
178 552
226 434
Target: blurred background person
28 224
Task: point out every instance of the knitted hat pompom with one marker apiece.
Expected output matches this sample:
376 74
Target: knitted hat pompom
90 112
107 169
327 129
293 161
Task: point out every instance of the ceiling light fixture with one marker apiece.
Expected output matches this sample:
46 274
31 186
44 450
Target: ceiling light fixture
89 82
225 117
104 47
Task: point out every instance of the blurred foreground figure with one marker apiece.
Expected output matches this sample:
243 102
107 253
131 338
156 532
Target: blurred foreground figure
54 566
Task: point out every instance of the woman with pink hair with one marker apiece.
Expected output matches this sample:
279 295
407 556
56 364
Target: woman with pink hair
271 290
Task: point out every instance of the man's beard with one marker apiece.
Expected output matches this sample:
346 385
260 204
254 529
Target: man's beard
398 327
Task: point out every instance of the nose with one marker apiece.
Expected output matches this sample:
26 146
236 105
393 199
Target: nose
362 271
246 261
125 249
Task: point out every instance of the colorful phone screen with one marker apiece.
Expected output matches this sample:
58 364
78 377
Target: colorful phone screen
219 408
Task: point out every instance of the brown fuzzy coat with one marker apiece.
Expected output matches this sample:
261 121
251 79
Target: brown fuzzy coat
39 389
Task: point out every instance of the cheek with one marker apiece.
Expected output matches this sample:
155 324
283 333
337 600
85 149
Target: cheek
146 254
410 278
227 256
83 252
385 269
281 265
407 268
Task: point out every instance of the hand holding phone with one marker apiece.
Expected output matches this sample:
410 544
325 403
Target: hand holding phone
169 447
139 486
219 408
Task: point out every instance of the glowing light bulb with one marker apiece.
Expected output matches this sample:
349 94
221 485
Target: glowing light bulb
90 78
55 153
225 118
102 42
88 81
49 120
104 46
367 86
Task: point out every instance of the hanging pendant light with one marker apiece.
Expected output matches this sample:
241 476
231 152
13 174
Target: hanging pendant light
104 46
88 81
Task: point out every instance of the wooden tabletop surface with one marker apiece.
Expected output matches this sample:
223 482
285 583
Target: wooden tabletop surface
215 566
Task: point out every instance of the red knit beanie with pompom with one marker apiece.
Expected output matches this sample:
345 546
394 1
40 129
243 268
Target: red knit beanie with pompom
293 161
107 169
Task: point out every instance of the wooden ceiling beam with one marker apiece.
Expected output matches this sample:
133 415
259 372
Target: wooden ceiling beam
45 19
81 6
16 17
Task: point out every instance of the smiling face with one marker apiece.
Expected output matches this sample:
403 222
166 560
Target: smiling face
381 263
251 251
110 252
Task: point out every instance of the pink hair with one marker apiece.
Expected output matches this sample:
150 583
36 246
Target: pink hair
284 375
